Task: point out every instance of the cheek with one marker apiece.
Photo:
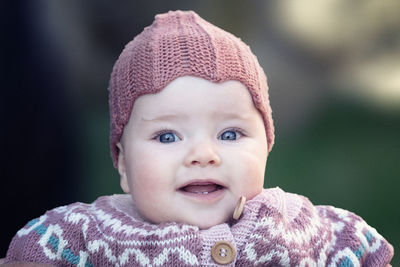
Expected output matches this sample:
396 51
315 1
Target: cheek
144 175
255 176
149 174
251 173
151 179
146 185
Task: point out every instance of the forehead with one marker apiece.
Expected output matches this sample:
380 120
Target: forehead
188 95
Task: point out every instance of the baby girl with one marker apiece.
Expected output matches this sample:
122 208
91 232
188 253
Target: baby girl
191 130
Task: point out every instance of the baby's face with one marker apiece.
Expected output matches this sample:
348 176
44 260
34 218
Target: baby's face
190 151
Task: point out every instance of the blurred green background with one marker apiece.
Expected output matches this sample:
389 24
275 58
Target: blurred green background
333 69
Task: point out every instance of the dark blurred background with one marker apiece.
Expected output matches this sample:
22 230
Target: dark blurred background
334 75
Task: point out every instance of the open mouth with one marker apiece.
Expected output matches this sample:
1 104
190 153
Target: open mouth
201 188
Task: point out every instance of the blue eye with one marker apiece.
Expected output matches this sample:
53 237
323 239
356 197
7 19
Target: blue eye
167 137
229 135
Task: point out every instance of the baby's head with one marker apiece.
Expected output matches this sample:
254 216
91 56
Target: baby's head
191 123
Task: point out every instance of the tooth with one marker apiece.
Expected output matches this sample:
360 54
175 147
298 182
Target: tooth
202 193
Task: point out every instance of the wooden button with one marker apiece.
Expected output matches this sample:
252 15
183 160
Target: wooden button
223 252
239 207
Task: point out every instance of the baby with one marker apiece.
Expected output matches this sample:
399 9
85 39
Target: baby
191 129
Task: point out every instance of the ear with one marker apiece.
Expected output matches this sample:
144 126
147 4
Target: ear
122 170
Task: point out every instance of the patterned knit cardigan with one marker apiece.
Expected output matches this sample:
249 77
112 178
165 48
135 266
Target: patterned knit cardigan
275 229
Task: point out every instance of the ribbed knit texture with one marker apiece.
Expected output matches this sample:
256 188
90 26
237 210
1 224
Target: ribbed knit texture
181 43
276 229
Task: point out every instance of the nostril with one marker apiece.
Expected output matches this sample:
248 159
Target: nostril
202 159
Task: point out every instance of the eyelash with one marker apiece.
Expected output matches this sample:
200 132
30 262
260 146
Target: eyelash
166 130
234 129
161 132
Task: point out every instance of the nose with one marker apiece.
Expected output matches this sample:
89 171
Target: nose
202 154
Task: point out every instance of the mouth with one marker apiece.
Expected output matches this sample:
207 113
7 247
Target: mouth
202 189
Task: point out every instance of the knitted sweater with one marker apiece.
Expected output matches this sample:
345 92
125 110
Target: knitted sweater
275 229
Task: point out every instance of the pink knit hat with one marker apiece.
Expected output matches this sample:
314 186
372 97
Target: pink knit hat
181 43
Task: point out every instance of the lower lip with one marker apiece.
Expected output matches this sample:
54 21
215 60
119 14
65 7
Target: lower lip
210 197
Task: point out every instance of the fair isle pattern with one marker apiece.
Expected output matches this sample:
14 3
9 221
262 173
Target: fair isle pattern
276 229
100 235
319 236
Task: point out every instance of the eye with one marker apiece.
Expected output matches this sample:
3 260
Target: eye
230 135
167 137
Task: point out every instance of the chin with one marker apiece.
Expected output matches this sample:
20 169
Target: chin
206 222
206 226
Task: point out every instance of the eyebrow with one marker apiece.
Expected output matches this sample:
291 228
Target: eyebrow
172 117
165 117
229 115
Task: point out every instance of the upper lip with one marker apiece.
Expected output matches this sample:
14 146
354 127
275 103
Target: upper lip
202 182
